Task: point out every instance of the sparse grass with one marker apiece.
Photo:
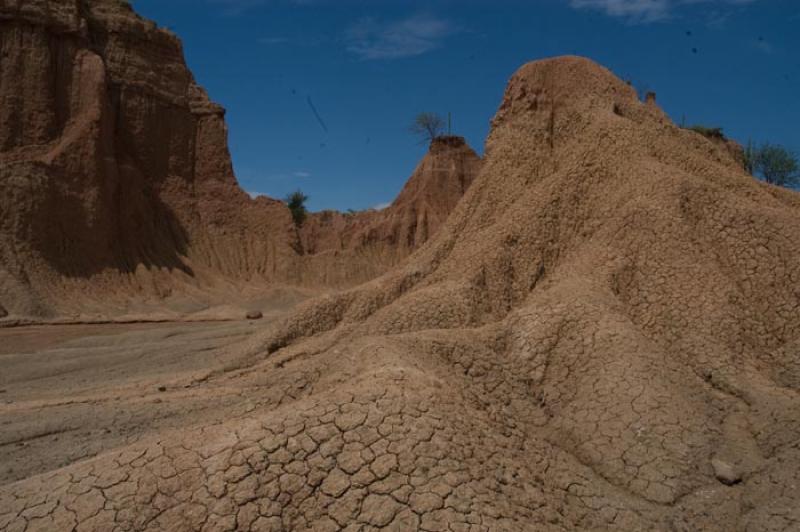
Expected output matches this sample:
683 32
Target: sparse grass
708 132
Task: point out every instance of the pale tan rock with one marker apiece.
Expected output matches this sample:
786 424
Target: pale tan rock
726 472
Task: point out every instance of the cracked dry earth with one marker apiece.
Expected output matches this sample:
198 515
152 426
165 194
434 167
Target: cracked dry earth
604 335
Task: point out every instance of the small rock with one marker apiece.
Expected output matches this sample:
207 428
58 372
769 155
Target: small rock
162 388
254 315
725 472
3 312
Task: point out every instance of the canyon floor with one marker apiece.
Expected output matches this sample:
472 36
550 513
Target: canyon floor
69 392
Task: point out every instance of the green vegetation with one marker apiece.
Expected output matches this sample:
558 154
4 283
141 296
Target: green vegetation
427 126
750 156
773 163
296 201
708 132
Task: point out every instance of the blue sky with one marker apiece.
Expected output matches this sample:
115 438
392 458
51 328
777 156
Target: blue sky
320 93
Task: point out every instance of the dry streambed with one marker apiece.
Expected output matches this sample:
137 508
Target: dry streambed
70 392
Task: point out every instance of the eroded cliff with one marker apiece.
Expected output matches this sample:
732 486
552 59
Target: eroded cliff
117 183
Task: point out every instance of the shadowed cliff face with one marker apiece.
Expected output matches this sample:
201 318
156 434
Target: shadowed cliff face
116 175
114 160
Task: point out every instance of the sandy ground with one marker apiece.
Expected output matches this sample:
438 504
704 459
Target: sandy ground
68 392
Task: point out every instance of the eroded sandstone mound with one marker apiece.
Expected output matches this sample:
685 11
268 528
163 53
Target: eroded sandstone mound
348 247
603 335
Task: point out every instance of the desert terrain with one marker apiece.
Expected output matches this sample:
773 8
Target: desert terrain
595 326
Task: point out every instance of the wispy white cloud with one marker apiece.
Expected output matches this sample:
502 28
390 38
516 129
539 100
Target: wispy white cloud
381 206
296 40
717 19
763 46
372 39
640 10
282 176
645 11
273 40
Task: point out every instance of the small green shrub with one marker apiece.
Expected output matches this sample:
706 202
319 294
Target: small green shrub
296 201
773 163
750 153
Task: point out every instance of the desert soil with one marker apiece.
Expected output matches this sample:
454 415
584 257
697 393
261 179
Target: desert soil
69 392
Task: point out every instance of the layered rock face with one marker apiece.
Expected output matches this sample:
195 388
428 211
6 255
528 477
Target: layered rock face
602 336
346 248
116 177
115 161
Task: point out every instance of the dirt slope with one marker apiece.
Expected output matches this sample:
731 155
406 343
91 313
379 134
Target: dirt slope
603 335
118 194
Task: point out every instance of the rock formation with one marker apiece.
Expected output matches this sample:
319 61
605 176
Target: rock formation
115 161
602 336
116 179
352 247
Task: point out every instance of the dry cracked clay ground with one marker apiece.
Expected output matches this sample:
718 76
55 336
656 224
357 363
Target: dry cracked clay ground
418 431
68 392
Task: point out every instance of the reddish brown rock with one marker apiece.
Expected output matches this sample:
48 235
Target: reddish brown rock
117 182
425 202
115 162
351 247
